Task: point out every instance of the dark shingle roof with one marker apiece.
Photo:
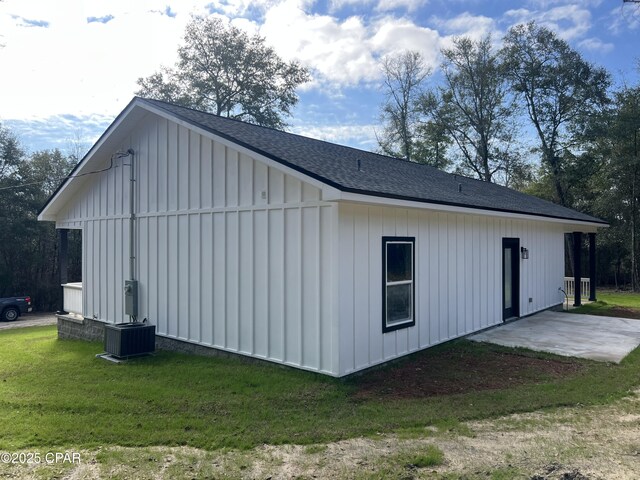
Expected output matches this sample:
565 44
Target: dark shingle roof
352 170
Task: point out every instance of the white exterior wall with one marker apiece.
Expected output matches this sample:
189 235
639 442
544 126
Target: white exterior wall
231 253
458 277
237 254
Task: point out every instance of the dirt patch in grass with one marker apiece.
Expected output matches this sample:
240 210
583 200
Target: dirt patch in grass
569 443
622 312
555 471
458 371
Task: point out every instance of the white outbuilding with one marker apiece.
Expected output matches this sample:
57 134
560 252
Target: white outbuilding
297 251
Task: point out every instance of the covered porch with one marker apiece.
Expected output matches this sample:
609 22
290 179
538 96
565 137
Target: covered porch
580 287
70 297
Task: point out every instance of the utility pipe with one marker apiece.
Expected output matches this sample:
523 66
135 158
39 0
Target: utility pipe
132 218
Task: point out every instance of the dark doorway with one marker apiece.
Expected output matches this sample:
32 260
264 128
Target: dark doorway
510 278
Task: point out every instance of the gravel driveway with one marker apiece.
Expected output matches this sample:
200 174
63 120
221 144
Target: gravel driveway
31 320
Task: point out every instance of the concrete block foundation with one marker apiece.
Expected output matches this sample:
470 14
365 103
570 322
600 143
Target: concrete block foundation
77 328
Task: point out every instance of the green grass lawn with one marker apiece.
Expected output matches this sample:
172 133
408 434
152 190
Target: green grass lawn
621 299
55 393
613 303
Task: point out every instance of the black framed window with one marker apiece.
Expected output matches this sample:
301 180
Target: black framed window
398 283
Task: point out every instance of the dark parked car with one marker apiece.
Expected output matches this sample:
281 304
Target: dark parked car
11 308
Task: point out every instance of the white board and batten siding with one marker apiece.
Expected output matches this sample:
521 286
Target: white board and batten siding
237 253
458 277
231 253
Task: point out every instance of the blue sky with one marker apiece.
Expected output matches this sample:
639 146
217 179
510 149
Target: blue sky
70 66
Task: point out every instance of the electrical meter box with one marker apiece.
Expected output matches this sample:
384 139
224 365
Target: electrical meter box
131 297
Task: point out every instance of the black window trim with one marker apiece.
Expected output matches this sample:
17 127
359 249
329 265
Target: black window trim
408 323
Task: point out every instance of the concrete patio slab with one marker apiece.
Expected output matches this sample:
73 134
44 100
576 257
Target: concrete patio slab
605 339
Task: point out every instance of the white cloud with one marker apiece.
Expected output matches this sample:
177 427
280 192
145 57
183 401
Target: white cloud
624 17
337 5
362 135
475 27
467 24
378 5
596 45
545 4
60 131
343 52
409 5
335 49
74 66
568 21
80 67
85 68
235 8
393 35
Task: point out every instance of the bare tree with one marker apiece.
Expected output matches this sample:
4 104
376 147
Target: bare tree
11 153
404 77
475 108
77 146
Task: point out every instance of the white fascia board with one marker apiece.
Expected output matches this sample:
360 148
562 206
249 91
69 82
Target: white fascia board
327 190
393 202
46 218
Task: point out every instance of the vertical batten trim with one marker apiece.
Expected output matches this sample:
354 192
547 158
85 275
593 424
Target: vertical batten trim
319 286
178 282
148 160
266 280
470 254
438 219
167 270
284 284
238 277
200 169
252 238
167 175
213 246
252 262
225 269
336 366
200 295
300 287
353 290
369 313
212 161
237 157
188 263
